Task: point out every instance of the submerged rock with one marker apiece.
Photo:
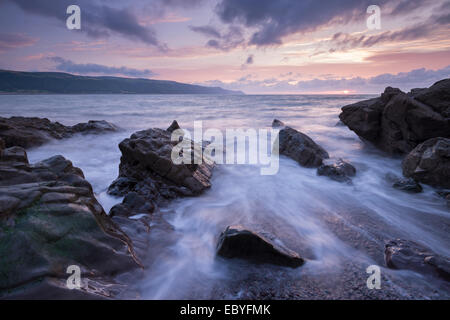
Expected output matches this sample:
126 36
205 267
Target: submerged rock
238 242
147 170
429 163
49 220
338 170
408 185
405 254
299 147
32 132
397 122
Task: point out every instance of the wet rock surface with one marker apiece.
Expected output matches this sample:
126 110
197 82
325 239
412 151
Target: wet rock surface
299 147
239 242
405 254
429 163
32 132
408 185
397 122
49 220
404 184
148 176
337 170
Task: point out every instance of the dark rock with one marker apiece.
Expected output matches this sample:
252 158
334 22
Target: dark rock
147 170
405 254
338 170
17 154
32 132
277 123
299 147
437 96
174 126
408 185
238 242
132 204
94 126
397 122
49 220
429 163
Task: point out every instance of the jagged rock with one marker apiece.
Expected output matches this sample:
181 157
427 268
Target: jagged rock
397 122
146 169
437 96
277 123
132 204
238 242
429 163
299 147
338 170
405 254
174 126
32 132
49 220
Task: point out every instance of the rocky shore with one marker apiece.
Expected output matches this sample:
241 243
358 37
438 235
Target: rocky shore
50 218
33 132
416 124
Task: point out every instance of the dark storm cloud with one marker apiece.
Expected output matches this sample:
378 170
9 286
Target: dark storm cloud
273 20
10 41
97 20
92 68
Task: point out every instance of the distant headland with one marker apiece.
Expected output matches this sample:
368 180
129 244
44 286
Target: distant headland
17 82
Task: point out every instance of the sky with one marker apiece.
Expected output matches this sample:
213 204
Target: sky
256 46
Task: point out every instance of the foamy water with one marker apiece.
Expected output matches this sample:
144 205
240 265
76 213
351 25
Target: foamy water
300 209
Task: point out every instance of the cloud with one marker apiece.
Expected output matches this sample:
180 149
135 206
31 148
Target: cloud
273 20
206 30
231 39
92 68
10 41
404 80
344 41
97 20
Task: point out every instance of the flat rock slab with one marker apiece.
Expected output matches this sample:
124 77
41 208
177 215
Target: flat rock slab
33 132
239 242
406 254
